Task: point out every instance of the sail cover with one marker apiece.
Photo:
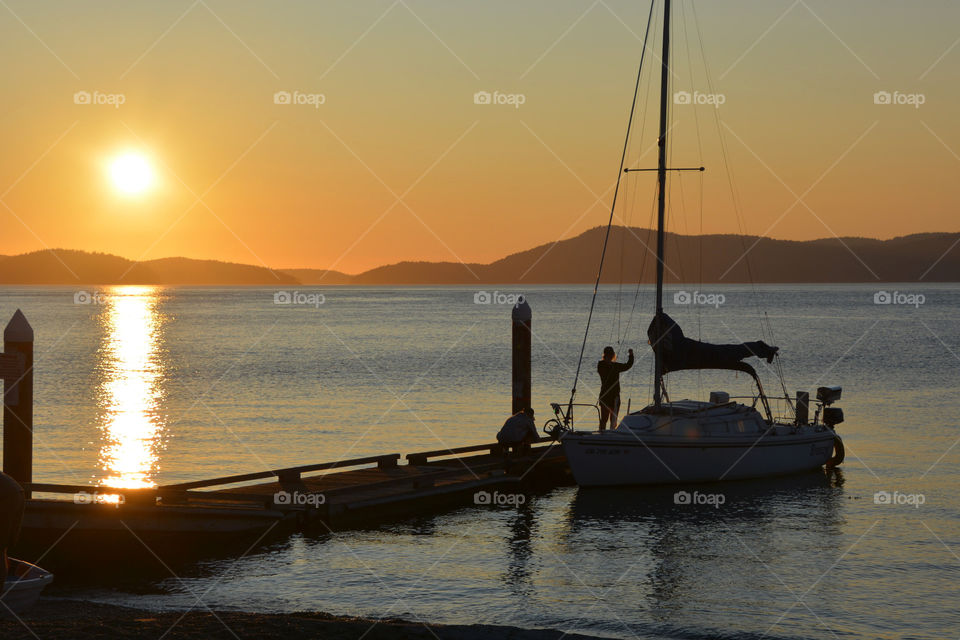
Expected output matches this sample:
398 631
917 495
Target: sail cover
680 352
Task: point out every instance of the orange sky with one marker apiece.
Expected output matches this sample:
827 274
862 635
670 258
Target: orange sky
241 178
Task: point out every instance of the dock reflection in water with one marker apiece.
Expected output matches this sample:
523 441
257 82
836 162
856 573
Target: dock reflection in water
130 392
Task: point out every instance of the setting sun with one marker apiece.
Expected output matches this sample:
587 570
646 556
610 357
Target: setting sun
131 173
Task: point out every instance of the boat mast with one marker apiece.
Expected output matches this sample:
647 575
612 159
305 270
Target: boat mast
661 201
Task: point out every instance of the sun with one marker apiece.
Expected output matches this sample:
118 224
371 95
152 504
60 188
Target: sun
131 173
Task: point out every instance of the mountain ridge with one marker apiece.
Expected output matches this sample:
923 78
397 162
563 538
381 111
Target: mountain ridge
711 258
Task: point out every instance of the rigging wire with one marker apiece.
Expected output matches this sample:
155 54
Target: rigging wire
699 138
650 218
652 88
616 190
766 328
643 263
631 194
779 370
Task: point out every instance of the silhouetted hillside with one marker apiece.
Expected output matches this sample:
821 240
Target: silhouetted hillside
187 271
712 258
930 257
319 276
67 266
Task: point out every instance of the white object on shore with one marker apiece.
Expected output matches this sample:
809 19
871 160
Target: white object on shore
23 586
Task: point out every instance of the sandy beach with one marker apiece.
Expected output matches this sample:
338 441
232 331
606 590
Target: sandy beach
77 620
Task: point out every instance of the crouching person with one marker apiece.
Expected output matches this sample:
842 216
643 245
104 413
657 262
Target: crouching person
518 432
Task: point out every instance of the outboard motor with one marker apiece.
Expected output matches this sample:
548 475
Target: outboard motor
832 416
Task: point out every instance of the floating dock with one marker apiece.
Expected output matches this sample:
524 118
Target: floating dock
68 527
170 524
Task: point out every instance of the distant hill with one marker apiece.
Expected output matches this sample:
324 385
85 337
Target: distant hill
709 259
930 257
324 276
67 266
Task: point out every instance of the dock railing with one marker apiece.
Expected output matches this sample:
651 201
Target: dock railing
184 493
146 496
494 448
291 474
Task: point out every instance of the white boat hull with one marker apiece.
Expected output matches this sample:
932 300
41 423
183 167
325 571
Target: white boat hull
23 586
615 458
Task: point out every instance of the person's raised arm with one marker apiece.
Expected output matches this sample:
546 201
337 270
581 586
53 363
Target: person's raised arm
624 366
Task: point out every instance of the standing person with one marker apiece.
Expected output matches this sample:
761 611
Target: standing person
609 370
11 512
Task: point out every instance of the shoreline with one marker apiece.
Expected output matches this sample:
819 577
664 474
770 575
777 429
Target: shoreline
82 620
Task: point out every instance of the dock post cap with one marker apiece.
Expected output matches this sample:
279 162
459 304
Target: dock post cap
18 329
521 311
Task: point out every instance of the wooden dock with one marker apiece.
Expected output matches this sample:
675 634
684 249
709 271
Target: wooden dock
97 529
170 524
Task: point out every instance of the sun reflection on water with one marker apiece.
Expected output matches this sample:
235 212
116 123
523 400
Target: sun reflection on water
130 369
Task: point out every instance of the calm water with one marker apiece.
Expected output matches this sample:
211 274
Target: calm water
137 386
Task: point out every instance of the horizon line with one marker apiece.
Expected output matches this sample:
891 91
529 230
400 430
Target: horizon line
427 261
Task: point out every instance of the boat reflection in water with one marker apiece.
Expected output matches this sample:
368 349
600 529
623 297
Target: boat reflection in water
130 393
669 556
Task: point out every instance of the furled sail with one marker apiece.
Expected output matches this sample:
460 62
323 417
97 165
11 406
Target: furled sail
680 352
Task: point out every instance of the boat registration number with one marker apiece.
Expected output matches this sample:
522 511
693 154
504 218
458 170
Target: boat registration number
605 451
819 451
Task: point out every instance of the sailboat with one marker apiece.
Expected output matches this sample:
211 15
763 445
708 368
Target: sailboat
696 440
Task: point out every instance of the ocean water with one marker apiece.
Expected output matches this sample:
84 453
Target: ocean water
137 386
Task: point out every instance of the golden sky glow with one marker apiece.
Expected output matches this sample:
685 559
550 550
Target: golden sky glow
347 135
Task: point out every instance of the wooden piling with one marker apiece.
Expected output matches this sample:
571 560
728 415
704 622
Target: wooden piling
522 317
18 400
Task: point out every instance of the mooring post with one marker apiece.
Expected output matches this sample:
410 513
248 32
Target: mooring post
18 401
522 339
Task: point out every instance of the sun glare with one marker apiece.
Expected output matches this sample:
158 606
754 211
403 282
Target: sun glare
131 393
131 173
